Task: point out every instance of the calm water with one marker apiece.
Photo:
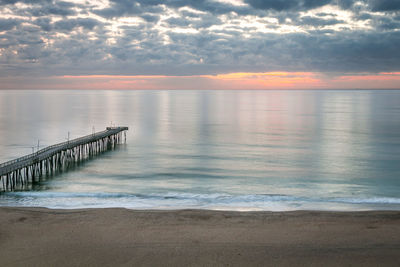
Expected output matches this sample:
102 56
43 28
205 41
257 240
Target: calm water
235 150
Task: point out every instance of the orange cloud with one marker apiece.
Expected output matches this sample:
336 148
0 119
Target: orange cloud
269 80
386 80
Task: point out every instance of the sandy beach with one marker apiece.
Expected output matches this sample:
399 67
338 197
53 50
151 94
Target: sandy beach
121 237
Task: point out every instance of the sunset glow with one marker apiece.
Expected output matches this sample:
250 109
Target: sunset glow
240 80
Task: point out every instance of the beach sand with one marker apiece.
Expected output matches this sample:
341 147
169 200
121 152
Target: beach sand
121 237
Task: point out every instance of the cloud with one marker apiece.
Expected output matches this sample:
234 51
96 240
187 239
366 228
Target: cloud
120 8
150 17
317 22
42 8
385 23
8 24
384 5
197 37
69 24
296 5
287 5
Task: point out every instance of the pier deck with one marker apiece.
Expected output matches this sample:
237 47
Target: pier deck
53 157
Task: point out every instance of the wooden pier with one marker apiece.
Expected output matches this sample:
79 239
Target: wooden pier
28 169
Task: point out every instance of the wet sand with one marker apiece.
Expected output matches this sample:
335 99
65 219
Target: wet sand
120 237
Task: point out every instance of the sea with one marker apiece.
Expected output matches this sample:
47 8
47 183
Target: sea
244 150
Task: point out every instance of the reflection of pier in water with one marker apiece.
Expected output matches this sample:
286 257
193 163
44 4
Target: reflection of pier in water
29 168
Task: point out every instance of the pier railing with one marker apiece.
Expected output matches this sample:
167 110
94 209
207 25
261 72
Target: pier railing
53 157
10 162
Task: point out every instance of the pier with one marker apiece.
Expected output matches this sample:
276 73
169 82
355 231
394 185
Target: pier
28 169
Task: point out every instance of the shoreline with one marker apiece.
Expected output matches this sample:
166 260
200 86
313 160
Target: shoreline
125 237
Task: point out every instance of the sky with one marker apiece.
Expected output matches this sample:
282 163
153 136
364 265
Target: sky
200 44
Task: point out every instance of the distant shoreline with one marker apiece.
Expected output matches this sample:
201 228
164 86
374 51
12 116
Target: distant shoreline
115 236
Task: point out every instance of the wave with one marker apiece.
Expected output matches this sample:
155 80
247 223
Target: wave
177 200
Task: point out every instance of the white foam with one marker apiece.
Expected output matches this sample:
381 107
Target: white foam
176 200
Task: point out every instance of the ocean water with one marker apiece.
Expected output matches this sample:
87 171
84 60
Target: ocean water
228 150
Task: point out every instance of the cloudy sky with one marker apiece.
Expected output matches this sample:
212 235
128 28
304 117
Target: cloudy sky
199 44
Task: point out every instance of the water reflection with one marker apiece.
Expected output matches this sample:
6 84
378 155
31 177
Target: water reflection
297 143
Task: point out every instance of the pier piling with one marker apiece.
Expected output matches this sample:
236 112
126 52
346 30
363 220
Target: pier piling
31 168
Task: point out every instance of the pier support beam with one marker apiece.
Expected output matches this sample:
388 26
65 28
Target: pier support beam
17 174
